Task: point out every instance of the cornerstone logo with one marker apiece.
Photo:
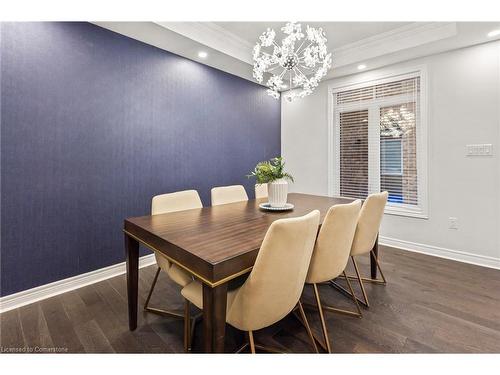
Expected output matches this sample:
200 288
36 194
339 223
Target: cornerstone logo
32 349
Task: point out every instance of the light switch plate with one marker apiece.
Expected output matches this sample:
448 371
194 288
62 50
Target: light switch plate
483 149
453 223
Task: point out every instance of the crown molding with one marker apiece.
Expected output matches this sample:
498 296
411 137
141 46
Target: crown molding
213 36
405 37
230 53
405 32
401 38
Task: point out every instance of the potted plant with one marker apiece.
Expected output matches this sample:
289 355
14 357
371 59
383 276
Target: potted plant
272 173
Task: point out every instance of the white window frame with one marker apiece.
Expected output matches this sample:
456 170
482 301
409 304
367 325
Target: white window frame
392 208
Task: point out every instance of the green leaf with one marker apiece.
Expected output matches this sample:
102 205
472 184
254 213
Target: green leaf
269 171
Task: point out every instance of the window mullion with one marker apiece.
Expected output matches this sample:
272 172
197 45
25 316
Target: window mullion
336 131
373 149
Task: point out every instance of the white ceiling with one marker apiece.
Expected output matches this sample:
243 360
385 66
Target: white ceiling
338 33
375 44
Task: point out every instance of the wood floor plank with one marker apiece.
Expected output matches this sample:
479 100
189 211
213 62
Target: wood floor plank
92 338
34 327
430 305
116 332
75 308
11 335
60 326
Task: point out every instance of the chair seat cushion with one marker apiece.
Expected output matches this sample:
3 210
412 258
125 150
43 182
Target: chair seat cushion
193 292
162 261
176 273
179 276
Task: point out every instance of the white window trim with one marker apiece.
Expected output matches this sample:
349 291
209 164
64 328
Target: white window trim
422 209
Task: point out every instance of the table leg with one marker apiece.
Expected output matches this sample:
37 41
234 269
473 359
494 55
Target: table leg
132 254
373 263
214 318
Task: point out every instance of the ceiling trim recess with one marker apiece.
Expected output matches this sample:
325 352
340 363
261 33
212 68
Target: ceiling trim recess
405 37
401 38
230 53
213 36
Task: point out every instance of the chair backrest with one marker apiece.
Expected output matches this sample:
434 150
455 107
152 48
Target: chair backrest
275 284
173 202
228 194
333 245
369 221
178 201
261 191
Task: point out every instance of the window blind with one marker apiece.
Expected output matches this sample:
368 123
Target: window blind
354 154
377 140
400 87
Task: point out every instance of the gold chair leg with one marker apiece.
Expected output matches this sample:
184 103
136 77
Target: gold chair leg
370 280
359 314
153 284
243 347
322 318
301 321
188 327
344 291
268 349
360 279
307 327
250 340
366 279
254 346
384 281
366 303
347 293
154 310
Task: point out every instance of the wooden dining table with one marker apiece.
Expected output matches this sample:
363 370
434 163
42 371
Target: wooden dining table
215 244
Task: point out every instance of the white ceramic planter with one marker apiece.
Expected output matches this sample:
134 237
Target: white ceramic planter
277 192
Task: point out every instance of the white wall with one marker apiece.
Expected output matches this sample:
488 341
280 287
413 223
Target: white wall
464 108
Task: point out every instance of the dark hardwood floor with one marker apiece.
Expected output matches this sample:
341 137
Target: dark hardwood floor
429 305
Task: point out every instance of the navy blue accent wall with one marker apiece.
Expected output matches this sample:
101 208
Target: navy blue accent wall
93 124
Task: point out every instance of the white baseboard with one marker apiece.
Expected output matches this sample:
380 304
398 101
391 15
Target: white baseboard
26 297
460 256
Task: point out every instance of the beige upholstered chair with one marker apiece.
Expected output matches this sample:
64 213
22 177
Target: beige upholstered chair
331 254
161 204
261 191
228 194
366 237
273 288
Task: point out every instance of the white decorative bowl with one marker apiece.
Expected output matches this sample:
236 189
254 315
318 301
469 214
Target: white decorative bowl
267 206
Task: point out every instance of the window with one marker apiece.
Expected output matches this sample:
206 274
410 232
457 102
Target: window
391 156
377 142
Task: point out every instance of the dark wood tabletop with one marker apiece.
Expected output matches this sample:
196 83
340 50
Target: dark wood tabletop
215 244
218 242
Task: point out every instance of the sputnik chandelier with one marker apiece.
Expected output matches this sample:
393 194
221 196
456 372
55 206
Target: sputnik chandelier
300 62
